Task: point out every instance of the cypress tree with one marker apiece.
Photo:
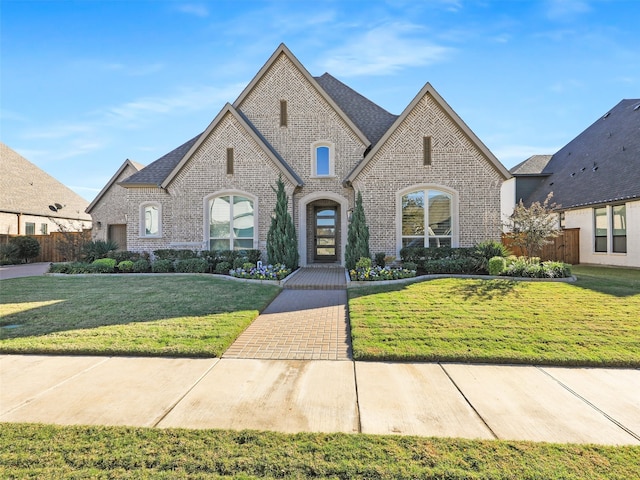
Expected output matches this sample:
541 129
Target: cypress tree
357 237
282 243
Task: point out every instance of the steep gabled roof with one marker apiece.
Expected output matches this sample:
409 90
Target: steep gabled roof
429 90
127 163
534 165
25 188
601 165
155 173
283 50
168 166
372 119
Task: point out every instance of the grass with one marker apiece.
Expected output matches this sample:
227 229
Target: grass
593 322
47 451
166 315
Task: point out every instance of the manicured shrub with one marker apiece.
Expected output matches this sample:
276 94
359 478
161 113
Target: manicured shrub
357 236
173 254
247 266
125 266
373 274
282 242
121 256
487 250
497 265
264 272
162 266
380 259
59 268
226 256
141 266
26 248
363 262
103 265
191 265
251 256
98 249
410 266
9 254
223 268
238 262
556 269
453 265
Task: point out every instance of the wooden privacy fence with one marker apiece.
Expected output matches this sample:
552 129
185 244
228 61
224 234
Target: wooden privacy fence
57 246
563 248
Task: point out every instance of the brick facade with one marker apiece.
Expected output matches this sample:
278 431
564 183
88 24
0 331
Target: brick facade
458 165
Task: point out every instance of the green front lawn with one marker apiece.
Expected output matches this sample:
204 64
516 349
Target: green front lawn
170 315
593 322
47 451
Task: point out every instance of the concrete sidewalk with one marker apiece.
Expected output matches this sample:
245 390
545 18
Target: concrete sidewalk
576 405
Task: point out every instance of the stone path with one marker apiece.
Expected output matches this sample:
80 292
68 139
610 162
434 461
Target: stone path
304 322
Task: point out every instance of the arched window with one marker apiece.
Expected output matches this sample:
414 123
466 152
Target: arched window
231 223
150 220
427 218
322 160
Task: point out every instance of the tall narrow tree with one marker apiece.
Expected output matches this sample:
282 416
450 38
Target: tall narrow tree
357 236
282 242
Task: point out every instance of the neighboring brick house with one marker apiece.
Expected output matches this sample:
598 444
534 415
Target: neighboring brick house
595 180
32 202
425 178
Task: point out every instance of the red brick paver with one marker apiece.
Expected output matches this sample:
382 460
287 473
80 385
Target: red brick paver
300 324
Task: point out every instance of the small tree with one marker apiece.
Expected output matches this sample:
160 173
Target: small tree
530 228
26 248
282 242
71 240
357 236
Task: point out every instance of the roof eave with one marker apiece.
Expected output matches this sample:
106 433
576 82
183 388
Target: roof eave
106 188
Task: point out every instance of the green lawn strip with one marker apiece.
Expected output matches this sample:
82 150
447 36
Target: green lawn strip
47 451
593 322
166 315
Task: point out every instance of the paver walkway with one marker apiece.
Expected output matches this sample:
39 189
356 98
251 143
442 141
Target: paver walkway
307 321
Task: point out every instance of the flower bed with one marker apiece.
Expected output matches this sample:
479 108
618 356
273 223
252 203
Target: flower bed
377 273
261 272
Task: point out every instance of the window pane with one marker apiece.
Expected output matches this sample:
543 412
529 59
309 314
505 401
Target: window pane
439 213
219 219
619 220
439 242
219 245
620 244
412 242
29 228
601 221
413 214
325 231
242 217
330 241
151 220
326 251
243 244
322 161
601 244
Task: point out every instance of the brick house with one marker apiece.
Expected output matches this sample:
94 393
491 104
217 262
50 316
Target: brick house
425 177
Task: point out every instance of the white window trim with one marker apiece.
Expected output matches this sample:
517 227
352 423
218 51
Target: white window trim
455 228
609 216
143 207
314 164
207 215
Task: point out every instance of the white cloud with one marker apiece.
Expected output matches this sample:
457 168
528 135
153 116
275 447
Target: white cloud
385 50
197 9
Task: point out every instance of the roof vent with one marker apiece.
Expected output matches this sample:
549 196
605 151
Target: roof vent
551 184
573 174
582 169
606 114
594 169
636 107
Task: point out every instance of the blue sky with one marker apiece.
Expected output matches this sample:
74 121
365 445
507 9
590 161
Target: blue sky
87 84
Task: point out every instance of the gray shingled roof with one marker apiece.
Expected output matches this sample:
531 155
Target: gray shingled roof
25 188
371 119
600 165
534 165
156 172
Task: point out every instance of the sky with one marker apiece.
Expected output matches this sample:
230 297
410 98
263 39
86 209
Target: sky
85 85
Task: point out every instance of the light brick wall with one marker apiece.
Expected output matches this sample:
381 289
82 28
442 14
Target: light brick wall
456 164
112 208
310 119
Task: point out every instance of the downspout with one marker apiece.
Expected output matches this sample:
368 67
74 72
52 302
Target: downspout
19 217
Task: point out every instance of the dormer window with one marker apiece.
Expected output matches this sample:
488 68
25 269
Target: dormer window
323 163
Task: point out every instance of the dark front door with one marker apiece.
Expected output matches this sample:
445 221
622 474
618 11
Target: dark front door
325 235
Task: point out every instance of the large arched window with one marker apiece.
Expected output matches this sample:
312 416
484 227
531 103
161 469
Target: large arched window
231 223
427 218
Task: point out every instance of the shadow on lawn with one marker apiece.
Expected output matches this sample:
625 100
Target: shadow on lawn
486 289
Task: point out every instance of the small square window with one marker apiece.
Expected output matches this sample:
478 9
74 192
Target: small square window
29 228
44 228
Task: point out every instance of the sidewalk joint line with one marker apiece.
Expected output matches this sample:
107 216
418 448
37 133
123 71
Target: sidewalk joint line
175 404
602 412
469 402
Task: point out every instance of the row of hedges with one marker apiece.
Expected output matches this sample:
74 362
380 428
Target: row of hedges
163 261
528 267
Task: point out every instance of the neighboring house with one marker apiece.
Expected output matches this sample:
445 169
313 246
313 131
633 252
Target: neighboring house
111 208
32 202
425 178
595 180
